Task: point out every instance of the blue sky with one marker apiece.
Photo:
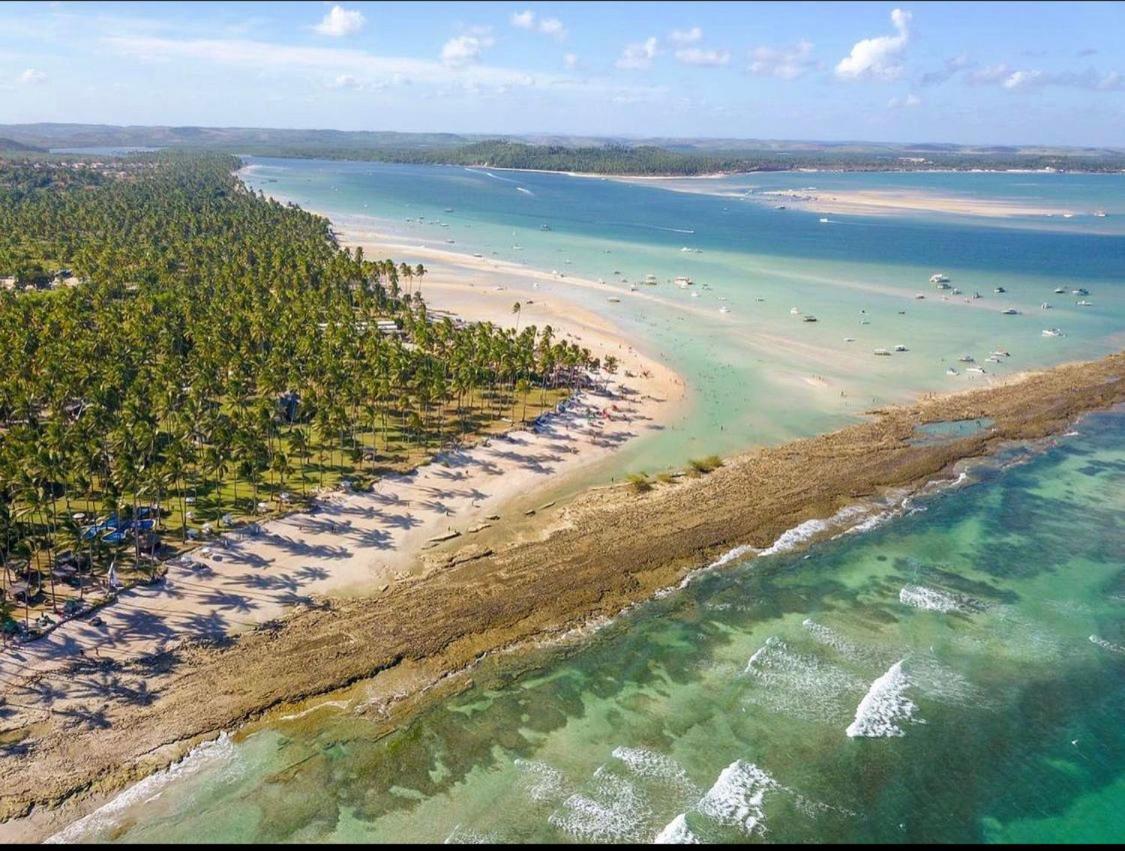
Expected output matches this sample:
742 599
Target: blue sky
1002 73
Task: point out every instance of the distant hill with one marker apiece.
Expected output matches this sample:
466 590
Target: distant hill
12 145
600 155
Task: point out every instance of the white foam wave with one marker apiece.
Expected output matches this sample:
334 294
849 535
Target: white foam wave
790 539
884 706
525 191
799 684
738 796
654 765
930 599
542 782
206 756
613 812
676 832
1107 645
831 638
463 836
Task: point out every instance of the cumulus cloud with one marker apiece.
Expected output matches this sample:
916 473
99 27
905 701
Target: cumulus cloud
703 58
526 20
904 102
690 36
788 62
570 60
32 77
466 49
340 22
879 57
638 56
1027 79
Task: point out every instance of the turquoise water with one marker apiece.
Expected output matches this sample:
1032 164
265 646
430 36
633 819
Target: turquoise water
975 647
757 374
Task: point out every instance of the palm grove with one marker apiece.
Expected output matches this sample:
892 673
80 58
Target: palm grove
217 349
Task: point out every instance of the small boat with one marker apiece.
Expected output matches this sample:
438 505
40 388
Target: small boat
1060 290
977 295
478 255
1052 332
724 309
650 280
956 291
794 311
632 288
1000 353
999 290
544 227
919 296
1068 215
951 371
1079 291
808 317
865 322
613 299
824 221
449 209
884 353
938 279
683 282
780 207
1101 214
695 295
901 348
943 286
1084 303
1045 305
1011 311
849 339
979 370
966 358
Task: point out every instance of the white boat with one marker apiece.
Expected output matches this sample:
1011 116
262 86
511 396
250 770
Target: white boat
1011 311
794 311
943 285
1060 290
632 288
1000 353
979 370
938 279
956 291
1079 291
650 280
1101 214
1068 215
683 282
695 295
999 290
1084 303
849 339
951 371
901 348
724 309
1052 332
885 353
1045 305
808 317
824 221
966 358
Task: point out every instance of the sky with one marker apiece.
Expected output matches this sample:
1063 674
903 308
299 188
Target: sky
975 73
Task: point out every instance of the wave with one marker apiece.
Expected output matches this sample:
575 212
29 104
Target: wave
1107 645
884 706
737 798
677 832
929 599
542 782
798 684
206 755
657 766
614 812
802 532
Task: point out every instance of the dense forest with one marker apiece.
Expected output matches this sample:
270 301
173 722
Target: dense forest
213 355
615 156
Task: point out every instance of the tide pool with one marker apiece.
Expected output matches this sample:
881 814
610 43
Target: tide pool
757 373
955 674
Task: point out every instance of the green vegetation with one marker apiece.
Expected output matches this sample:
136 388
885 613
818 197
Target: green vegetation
702 466
640 482
659 156
219 355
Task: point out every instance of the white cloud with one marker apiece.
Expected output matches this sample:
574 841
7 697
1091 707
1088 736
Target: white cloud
691 36
704 58
525 20
466 49
1022 80
340 22
345 81
638 56
32 77
878 57
570 60
1027 79
788 63
906 102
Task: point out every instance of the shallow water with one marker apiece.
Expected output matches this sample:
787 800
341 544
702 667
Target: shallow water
757 374
955 674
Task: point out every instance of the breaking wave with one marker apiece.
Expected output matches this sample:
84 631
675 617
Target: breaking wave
885 706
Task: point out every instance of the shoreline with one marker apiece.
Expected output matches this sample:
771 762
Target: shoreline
608 549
